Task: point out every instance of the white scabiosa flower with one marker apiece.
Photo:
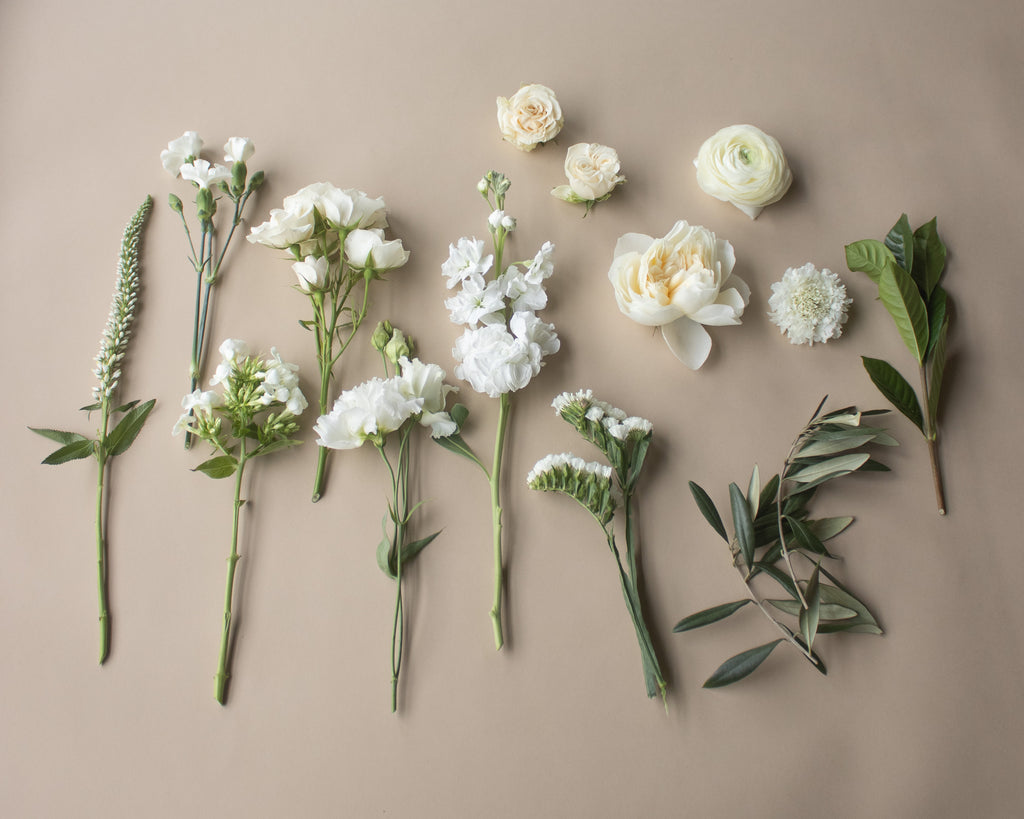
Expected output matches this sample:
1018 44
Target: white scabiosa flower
809 305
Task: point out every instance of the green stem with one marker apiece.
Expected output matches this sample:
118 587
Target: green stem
222 666
495 480
101 541
199 265
324 339
931 433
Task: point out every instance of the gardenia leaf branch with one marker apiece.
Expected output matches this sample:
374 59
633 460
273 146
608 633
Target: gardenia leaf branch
336 239
181 159
773 535
907 267
388 410
624 441
504 344
110 441
254 415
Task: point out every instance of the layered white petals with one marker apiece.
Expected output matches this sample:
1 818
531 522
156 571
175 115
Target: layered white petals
809 305
744 166
367 248
529 117
180 150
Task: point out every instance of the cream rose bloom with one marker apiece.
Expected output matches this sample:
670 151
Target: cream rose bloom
745 166
679 282
530 116
592 171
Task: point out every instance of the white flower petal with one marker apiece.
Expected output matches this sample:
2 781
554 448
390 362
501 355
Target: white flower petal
688 341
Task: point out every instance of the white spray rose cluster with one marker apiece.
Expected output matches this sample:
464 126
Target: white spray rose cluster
593 173
530 117
744 166
679 282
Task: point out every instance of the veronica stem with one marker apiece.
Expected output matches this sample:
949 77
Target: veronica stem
101 562
222 666
931 433
495 478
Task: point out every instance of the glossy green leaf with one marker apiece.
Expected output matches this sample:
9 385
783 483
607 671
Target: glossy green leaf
454 443
900 240
938 311
869 256
736 668
822 470
223 466
826 611
124 434
410 550
928 244
74 451
895 388
827 528
809 616
459 413
936 368
708 510
58 435
742 524
901 298
709 616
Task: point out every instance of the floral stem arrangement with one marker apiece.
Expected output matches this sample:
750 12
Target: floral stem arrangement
773 535
624 440
181 159
336 240
384 411
254 415
907 267
111 439
504 344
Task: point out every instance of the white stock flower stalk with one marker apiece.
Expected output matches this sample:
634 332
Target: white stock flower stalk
809 305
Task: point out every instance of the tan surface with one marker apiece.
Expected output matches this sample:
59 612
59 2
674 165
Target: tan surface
881 108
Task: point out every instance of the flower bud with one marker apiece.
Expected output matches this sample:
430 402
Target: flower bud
381 335
397 347
175 203
482 185
238 174
256 181
206 205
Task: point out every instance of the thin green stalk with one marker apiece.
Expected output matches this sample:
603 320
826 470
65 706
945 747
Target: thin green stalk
222 666
495 480
931 433
101 541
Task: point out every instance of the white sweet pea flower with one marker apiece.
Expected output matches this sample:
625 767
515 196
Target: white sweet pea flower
679 282
181 150
238 149
312 273
530 117
367 248
744 166
466 260
203 173
809 305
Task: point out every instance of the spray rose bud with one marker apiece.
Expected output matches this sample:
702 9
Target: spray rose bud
397 347
381 335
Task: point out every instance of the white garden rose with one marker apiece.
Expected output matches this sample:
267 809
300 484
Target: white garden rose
367 248
744 166
679 282
592 171
529 117
312 273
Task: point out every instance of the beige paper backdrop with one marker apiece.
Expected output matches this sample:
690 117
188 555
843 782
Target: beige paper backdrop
882 108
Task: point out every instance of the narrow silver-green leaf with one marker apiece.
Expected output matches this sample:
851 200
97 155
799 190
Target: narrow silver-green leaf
754 492
742 524
869 256
895 388
709 616
809 615
864 622
736 668
826 611
827 528
842 464
708 510
901 298
806 539
826 442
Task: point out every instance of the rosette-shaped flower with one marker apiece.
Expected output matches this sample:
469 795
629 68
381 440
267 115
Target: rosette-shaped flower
679 282
809 305
312 273
530 116
376 407
368 249
744 166
592 171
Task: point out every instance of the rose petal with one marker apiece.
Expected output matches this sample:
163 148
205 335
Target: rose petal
633 243
688 341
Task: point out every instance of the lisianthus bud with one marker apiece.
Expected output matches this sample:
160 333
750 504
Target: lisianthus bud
381 335
397 347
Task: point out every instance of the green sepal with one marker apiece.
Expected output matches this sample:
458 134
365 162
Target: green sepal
869 256
742 524
736 668
900 240
59 436
708 510
124 434
902 299
222 466
71 452
895 388
709 616
929 256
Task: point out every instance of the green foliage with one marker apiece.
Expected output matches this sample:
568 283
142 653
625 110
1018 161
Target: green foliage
774 535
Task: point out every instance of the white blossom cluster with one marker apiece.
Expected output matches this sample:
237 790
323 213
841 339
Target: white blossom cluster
181 158
618 424
587 482
381 406
504 343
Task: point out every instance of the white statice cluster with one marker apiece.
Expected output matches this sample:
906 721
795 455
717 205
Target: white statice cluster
587 482
380 406
614 420
181 158
809 305
505 343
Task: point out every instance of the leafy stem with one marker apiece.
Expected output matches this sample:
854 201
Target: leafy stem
504 407
222 664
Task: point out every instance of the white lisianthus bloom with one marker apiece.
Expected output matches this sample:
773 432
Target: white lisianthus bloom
367 248
466 260
744 166
203 173
809 305
592 171
238 149
181 150
679 282
529 117
426 381
374 408
477 302
312 273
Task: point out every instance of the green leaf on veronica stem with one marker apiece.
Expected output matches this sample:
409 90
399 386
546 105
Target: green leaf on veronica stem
929 256
827 528
895 388
709 616
410 550
937 366
754 492
736 668
57 435
901 298
822 470
869 256
90 407
74 451
809 616
742 524
900 240
938 304
123 435
223 466
708 510
826 611
126 407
